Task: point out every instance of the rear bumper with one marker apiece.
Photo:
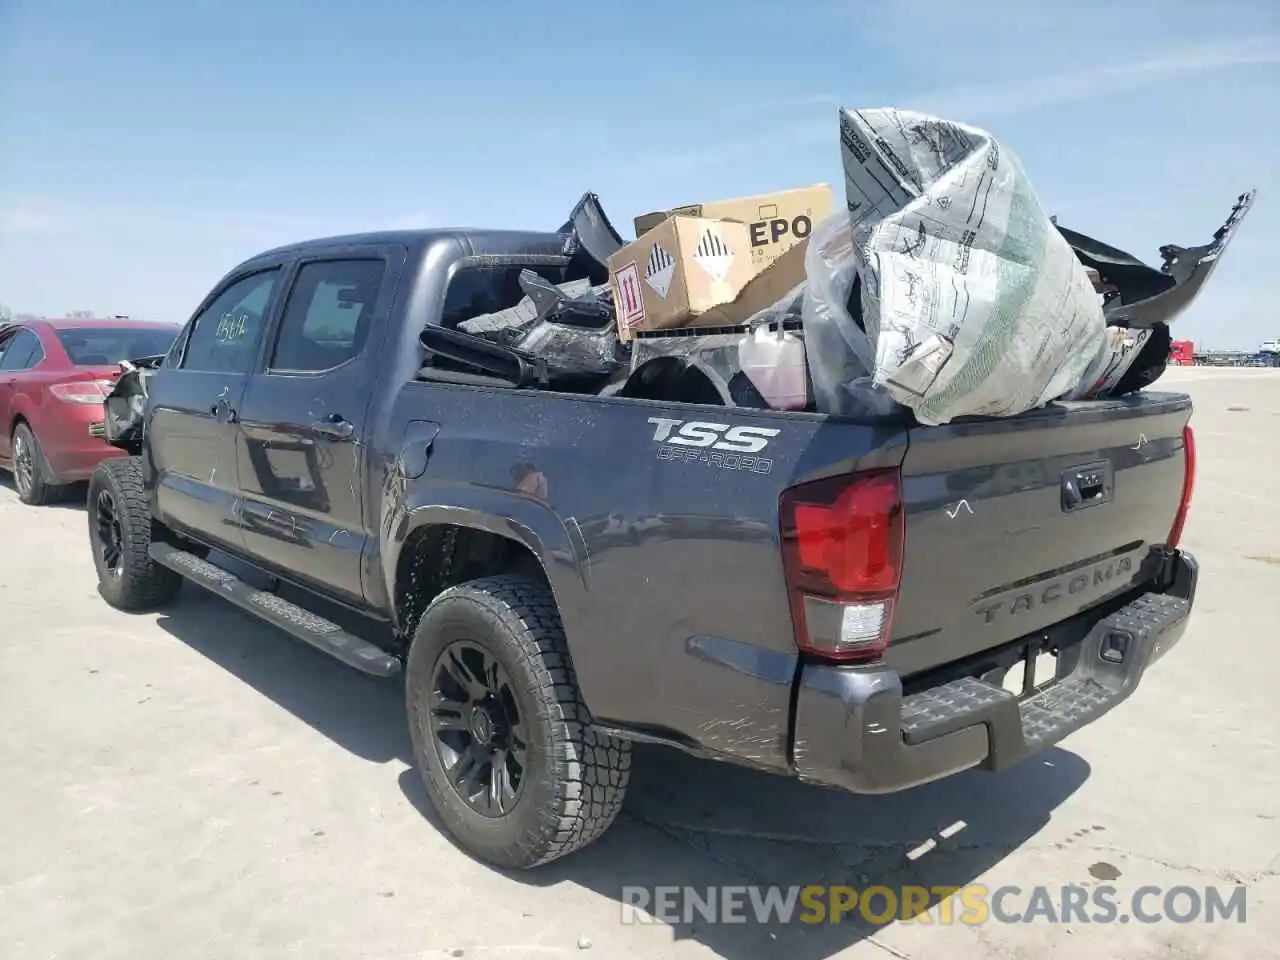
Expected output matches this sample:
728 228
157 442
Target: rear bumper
70 449
77 458
854 728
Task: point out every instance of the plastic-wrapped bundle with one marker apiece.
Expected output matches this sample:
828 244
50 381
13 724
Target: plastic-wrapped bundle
971 302
840 353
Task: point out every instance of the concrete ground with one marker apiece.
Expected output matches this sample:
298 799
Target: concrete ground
192 785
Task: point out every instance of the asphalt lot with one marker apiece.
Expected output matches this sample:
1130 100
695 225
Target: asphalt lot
192 785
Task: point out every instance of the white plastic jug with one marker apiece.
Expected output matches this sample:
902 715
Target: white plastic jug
774 362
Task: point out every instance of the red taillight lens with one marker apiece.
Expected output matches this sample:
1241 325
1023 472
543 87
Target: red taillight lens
82 391
1188 487
842 555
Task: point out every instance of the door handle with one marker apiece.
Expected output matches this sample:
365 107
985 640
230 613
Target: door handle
223 411
334 425
1087 486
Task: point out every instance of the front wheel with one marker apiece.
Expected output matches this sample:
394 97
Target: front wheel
120 534
500 733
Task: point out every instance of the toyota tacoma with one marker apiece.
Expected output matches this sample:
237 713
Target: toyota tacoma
555 573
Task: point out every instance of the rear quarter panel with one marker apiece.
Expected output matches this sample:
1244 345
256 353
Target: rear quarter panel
61 428
64 435
663 555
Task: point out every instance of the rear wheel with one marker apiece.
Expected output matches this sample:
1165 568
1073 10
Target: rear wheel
500 733
31 477
120 533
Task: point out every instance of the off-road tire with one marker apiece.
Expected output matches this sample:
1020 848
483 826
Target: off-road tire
43 488
140 583
576 777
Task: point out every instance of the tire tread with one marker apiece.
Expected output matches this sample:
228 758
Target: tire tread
143 583
590 770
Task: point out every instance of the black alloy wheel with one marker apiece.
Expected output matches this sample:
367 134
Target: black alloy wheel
476 729
110 537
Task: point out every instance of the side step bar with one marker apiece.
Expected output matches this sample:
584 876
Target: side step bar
280 613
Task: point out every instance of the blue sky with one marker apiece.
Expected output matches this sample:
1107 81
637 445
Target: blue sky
147 147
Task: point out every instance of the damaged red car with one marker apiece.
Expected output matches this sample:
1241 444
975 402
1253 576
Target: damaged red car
54 375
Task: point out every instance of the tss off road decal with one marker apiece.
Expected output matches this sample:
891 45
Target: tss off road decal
713 444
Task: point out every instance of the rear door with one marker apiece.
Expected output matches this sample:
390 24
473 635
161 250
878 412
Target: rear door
20 350
1015 525
194 402
303 419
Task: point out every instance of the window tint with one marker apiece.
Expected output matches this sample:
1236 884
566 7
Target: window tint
328 314
103 346
227 332
474 291
22 351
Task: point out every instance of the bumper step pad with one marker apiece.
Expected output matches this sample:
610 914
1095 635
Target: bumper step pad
1111 661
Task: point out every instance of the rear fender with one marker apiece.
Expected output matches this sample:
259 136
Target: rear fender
520 518
25 408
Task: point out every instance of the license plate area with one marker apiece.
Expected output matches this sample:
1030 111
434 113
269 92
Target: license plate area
1035 668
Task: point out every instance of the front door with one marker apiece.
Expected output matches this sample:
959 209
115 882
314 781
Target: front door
303 421
194 408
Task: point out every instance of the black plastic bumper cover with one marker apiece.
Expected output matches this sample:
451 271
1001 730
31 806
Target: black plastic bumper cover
855 730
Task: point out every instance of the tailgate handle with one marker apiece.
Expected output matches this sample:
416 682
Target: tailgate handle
1087 486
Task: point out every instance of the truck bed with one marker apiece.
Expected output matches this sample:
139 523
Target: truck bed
660 531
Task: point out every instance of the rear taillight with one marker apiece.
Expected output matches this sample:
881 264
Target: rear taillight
842 556
82 391
1188 487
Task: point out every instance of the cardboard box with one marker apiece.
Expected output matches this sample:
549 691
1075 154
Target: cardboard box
775 222
680 269
765 289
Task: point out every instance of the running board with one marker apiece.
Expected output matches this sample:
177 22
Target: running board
280 613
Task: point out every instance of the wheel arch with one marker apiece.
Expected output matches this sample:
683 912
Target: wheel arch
437 547
437 556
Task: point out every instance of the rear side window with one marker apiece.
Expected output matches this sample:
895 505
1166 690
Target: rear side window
94 347
22 351
225 335
328 315
475 291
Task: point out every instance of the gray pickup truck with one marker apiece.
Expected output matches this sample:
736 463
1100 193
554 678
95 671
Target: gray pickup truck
555 574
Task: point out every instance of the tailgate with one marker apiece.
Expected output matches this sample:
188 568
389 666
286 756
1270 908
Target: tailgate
1015 525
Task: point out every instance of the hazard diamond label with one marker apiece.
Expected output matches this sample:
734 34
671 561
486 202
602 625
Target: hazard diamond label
713 254
630 305
661 268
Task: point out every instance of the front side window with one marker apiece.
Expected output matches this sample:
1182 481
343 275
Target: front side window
226 334
328 314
